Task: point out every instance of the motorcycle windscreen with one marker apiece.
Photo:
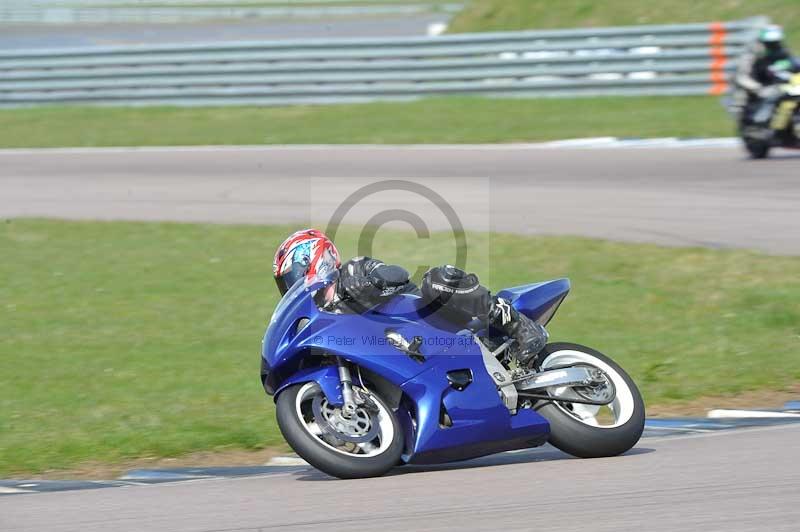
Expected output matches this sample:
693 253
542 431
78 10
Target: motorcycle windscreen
538 301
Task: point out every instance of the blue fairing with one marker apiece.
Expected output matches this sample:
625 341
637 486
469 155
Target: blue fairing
535 300
300 332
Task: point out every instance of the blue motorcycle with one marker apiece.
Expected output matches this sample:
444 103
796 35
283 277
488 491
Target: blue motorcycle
359 393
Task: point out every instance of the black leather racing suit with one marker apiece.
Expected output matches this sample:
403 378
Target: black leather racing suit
754 78
365 282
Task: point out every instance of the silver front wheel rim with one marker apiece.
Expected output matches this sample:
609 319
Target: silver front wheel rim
360 424
618 412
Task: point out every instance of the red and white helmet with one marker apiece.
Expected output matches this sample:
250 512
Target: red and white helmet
305 254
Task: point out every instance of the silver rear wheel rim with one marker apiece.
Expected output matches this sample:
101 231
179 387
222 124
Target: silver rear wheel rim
621 408
379 445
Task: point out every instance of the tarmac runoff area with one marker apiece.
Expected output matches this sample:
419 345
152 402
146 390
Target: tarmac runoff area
662 191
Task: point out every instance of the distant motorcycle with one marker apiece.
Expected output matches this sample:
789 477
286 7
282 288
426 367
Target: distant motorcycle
360 393
783 128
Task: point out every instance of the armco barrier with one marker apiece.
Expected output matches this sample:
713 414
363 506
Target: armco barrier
642 60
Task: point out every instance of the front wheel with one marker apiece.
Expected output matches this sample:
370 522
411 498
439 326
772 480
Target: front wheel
368 444
591 431
756 140
757 149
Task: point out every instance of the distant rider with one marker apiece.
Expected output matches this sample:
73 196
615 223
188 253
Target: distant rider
756 76
365 283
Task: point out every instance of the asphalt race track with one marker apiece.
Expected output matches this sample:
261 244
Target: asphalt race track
697 196
30 36
732 481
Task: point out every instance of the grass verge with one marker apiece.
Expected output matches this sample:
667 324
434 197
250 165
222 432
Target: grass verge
134 340
501 15
438 120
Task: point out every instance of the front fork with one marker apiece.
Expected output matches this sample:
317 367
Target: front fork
349 407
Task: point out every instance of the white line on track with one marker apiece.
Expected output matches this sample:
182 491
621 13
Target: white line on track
739 414
587 143
286 461
679 429
9 491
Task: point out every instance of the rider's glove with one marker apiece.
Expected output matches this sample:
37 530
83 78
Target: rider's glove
357 287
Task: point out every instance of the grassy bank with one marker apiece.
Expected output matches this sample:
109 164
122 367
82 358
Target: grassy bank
125 340
445 120
498 15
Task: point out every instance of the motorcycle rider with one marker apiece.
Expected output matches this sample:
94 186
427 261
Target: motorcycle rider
755 78
365 282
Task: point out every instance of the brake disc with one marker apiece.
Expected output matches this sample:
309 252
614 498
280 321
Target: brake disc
362 427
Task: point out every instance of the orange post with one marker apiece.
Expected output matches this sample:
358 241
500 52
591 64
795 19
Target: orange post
718 59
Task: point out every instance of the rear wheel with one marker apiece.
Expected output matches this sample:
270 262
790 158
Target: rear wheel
367 444
592 431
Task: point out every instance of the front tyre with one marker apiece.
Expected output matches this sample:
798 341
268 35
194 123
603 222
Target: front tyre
756 140
590 431
757 149
367 445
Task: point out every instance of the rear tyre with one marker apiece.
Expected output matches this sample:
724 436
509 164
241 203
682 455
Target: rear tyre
587 431
369 444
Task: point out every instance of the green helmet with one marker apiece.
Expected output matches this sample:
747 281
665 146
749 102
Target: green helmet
771 34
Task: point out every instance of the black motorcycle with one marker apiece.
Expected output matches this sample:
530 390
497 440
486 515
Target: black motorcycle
783 127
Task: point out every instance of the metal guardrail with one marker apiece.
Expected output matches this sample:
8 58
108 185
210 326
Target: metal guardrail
643 60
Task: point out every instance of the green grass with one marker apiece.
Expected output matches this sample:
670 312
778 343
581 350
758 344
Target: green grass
499 15
125 340
440 120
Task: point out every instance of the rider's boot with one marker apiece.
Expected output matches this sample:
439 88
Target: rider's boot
530 336
763 113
